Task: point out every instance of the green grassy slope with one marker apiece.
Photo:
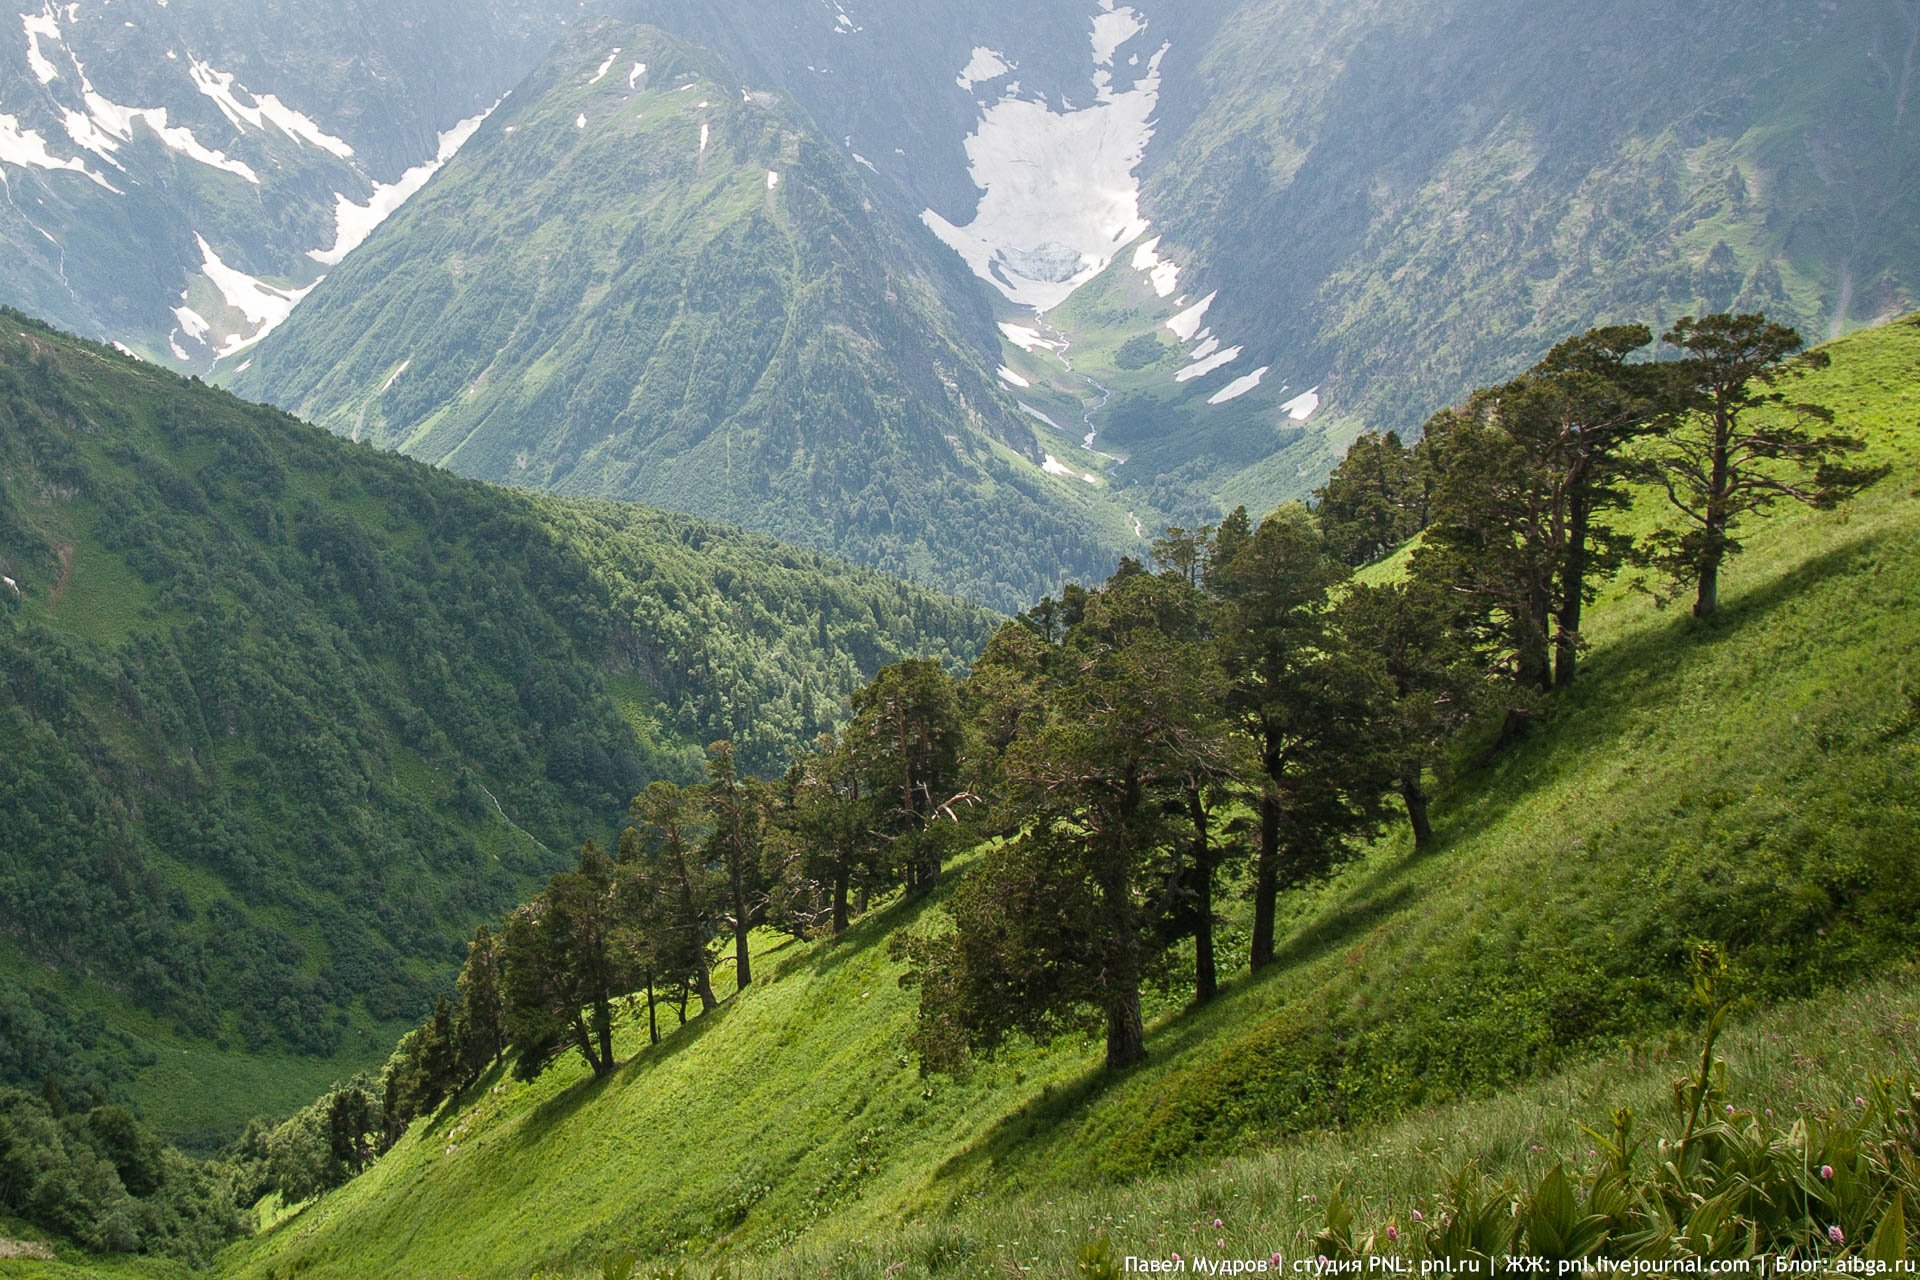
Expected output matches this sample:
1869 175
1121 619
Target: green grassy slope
654 283
1750 781
284 717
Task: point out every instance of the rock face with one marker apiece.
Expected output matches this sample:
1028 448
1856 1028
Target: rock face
179 176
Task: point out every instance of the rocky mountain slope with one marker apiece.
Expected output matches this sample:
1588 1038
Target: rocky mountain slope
644 280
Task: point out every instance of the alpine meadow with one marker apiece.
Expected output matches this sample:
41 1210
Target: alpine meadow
705 640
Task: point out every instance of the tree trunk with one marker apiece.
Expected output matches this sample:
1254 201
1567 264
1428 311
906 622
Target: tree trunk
583 1040
1708 601
653 1024
1715 548
742 962
1205 981
1534 662
1415 797
1573 589
929 869
840 901
1126 1036
705 987
603 1020
1266 882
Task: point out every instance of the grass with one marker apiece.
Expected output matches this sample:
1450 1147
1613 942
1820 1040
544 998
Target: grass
1734 780
1802 1055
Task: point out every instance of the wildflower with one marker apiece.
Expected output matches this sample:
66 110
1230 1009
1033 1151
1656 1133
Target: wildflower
1860 1102
1826 1173
1393 1232
1276 1260
1836 1235
1217 1223
1419 1216
1729 1108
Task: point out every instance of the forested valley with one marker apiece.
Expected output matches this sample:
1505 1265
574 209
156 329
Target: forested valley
1132 781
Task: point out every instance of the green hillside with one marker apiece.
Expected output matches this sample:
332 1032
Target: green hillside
1743 781
643 281
285 716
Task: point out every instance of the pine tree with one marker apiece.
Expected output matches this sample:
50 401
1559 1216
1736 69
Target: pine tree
1062 923
1306 704
906 736
561 967
479 1035
1375 499
1434 687
667 892
736 808
1523 476
1742 445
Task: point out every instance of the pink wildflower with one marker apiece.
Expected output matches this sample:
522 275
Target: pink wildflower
1826 1173
1836 1235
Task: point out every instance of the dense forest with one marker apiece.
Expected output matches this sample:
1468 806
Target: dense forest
286 715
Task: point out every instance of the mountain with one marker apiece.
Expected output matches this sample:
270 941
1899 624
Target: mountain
1240 230
1172 256
641 280
1467 1006
284 716
178 176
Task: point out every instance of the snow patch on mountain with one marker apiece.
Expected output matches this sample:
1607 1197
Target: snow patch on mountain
1187 323
1059 194
1112 29
220 86
27 149
106 125
1032 412
605 67
265 306
1302 406
1202 368
986 64
1029 339
1013 379
44 23
1164 275
353 222
1239 386
192 323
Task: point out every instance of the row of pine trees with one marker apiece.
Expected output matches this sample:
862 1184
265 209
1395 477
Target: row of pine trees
1236 719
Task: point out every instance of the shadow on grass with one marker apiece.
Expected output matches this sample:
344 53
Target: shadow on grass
1621 683
1617 684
